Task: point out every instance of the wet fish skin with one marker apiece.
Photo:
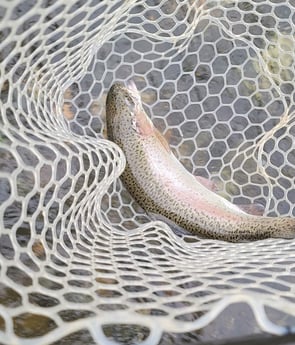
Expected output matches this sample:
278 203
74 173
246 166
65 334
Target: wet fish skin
160 184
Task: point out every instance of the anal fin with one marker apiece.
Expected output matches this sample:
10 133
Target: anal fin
207 183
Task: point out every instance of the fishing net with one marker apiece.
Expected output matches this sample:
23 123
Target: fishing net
81 262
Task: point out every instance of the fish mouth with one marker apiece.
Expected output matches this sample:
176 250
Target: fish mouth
132 89
131 86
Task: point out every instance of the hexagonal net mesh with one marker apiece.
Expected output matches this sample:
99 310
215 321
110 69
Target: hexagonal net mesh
76 251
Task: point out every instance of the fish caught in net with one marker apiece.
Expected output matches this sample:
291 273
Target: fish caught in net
80 259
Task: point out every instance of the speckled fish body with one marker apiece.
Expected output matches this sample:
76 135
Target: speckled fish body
160 183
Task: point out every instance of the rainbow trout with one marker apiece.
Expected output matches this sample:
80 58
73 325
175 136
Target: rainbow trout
161 184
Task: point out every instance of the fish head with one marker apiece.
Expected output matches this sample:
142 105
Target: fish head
124 106
123 99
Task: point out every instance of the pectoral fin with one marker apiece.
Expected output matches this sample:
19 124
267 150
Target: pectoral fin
162 140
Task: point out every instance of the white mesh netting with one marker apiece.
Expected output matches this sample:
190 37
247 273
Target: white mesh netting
78 256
